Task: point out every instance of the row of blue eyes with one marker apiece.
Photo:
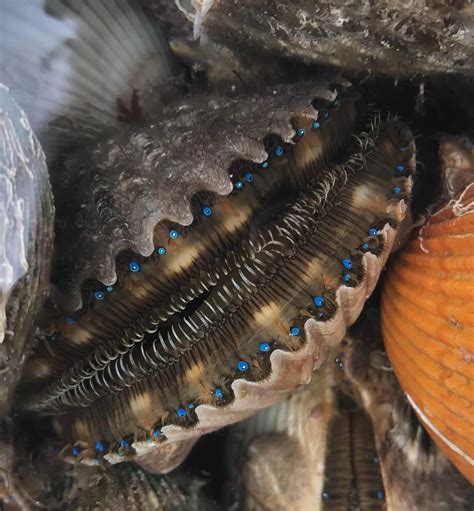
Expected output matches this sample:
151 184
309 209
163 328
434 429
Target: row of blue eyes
134 267
264 347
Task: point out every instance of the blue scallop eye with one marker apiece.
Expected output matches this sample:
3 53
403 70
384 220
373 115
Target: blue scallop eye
75 451
396 190
264 347
99 446
300 132
206 211
190 406
324 113
173 234
372 231
134 267
99 295
181 412
364 246
218 392
318 300
161 251
278 150
124 443
109 289
249 177
156 432
264 164
294 330
243 366
316 125
380 494
400 168
239 185
69 320
347 263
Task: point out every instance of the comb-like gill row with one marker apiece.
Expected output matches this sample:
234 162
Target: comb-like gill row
238 308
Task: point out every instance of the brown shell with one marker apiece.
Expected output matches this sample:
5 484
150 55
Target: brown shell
428 326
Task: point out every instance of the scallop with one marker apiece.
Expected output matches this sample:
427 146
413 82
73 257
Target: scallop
428 325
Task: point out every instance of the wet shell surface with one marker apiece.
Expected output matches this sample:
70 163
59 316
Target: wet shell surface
26 239
223 316
428 326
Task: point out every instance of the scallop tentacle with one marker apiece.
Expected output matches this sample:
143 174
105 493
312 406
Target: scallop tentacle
128 183
244 303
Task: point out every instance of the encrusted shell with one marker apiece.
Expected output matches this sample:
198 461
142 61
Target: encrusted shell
428 326
26 234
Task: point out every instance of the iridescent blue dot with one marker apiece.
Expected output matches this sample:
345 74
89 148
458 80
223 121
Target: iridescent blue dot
190 406
278 150
75 451
347 263
156 432
173 234
396 190
243 366
69 320
400 168
181 412
380 494
239 185
206 211
294 330
316 125
99 295
372 231
321 315
109 289
218 392
264 347
326 495
403 148
300 132
134 267
264 164
318 300
249 177
124 443
375 460
99 446
161 251
364 246
324 114
347 277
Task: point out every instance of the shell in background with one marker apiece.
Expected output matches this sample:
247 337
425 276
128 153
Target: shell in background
315 450
129 488
275 459
416 473
428 326
385 37
26 236
70 63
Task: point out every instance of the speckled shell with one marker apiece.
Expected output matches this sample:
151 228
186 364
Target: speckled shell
428 326
26 235
392 37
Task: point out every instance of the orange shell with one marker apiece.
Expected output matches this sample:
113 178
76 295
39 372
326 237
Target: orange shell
428 326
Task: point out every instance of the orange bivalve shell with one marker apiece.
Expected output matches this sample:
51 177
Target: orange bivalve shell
428 326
